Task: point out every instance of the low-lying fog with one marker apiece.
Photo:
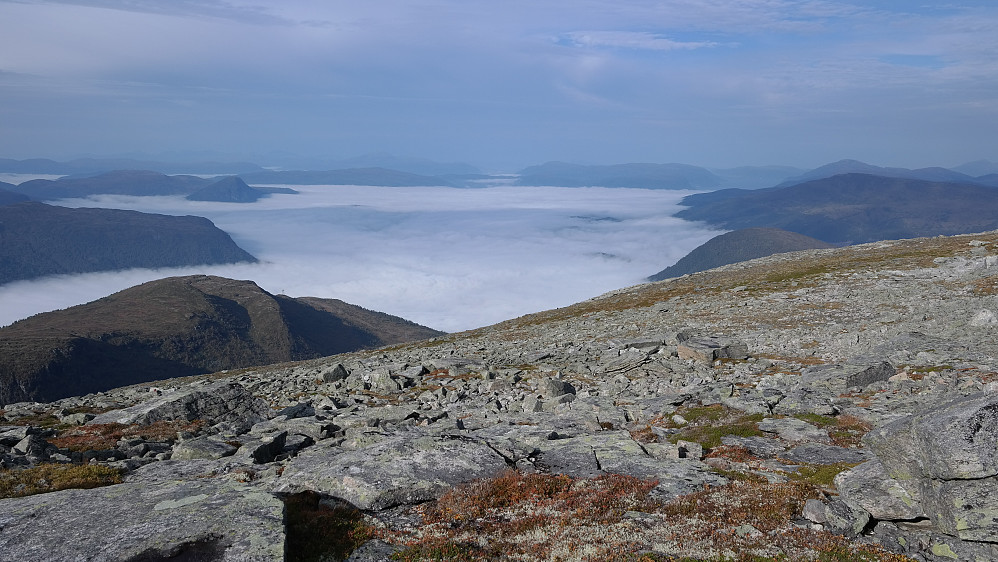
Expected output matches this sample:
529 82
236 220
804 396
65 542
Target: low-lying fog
452 259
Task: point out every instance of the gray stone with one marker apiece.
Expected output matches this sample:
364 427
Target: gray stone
34 447
848 375
614 452
761 447
265 449
869 487
708 349
403 469
374 551
202 448
793 430
333 373
820 453
225 402
300 410
845 519
12 435
207 519
552 388
963 508
955 440
814 511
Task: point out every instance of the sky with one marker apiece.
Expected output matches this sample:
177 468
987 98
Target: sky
503 85
451 259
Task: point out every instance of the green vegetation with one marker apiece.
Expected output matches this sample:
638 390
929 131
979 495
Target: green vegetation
820 474
54 477
708 424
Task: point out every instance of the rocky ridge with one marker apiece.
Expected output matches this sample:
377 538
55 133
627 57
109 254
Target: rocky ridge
749 377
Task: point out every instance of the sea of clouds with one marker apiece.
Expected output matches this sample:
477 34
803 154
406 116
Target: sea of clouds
452 259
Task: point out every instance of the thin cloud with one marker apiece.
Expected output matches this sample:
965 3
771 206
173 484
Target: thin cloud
632 40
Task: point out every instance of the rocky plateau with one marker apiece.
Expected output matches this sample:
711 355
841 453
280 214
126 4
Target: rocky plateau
855 387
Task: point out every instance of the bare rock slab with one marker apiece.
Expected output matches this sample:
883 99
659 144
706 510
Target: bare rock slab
193 520
956 440
219 402
400 470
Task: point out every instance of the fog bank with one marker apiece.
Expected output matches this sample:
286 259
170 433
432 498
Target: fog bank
451 259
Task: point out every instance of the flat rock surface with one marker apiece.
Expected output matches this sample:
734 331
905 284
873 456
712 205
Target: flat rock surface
399 470
203 519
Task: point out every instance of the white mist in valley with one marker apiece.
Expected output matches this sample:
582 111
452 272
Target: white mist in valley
452 259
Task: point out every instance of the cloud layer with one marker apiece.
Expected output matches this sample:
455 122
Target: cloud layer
451 259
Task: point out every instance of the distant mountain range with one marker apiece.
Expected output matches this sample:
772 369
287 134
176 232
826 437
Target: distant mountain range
419 166
97 165
853 208
143 183
646 176
350 176
857 167
738 246
38 239
180 326
684 176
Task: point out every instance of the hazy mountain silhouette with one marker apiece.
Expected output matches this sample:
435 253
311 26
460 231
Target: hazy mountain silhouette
419 166
977 168
234 190
737 246
118 182
96 165
38 239
176 327
853 208
348 176
646 176
755 177
857 167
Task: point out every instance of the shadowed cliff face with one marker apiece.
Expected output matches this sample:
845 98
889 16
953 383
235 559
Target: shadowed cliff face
40 239
176 327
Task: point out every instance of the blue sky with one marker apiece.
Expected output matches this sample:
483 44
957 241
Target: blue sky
504 84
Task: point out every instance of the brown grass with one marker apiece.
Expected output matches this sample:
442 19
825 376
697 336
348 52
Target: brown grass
611 518
99 437
54 477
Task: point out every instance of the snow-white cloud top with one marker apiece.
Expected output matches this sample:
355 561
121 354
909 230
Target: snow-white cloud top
451 259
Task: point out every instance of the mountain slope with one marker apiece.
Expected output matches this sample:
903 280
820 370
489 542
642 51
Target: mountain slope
38 239
738 246
7 196
176 327
853 208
